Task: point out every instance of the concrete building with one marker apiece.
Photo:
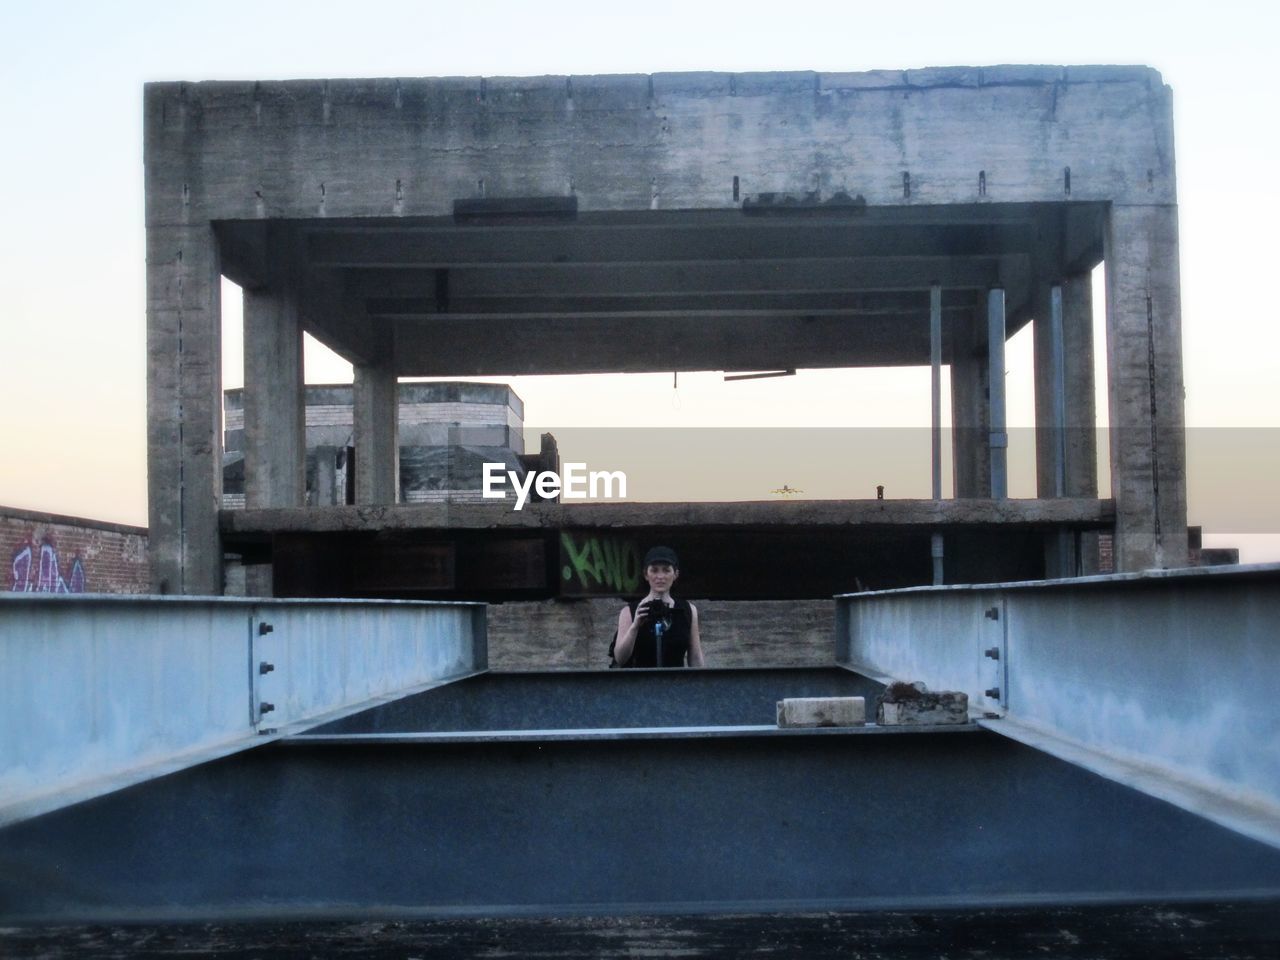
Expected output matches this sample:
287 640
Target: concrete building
446 431
503 226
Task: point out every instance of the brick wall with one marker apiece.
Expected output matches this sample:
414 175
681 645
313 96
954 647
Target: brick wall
48 553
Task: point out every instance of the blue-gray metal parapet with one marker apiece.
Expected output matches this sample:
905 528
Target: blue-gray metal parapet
1165 681
99 692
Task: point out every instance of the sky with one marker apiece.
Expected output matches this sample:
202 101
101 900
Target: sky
72 318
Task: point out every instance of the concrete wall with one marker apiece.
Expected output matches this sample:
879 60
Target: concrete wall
49 553
575 634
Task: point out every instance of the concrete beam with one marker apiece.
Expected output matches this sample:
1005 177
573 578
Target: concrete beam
286 149
479 346
1086 514
386 245
1145 389
184 409
866 274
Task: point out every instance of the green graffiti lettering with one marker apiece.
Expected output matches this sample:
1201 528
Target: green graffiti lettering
601 562
610 548
581 565
597 558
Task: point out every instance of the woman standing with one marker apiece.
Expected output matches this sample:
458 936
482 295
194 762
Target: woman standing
658 630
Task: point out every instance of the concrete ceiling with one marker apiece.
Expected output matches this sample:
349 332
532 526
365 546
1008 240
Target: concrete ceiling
527 292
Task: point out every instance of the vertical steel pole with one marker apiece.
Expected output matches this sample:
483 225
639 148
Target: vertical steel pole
999 437
1063 543
935 359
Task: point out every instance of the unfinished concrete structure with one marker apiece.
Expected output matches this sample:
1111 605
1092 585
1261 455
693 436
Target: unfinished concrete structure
447 431
468 226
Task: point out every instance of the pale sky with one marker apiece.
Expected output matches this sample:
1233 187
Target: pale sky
72 326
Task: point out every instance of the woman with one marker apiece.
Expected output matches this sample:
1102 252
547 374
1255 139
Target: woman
659 630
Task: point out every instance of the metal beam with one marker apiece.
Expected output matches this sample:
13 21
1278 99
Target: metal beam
1178 702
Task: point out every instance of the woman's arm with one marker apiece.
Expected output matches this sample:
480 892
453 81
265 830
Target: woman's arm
695 640
628 629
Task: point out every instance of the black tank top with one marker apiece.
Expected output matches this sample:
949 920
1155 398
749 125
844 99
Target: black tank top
675 639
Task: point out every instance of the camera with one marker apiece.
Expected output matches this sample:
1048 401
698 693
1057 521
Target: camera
657 612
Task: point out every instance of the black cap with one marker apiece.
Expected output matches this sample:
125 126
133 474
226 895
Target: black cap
661 555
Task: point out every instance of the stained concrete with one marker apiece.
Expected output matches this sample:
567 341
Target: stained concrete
745 221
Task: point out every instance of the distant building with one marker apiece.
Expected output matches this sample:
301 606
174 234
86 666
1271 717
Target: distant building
447 431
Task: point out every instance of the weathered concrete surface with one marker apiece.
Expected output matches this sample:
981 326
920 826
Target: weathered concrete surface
1144 367
954 176
668 141
913 704
376 435
783 513
971 408
184 407
575 634
822 712
274 418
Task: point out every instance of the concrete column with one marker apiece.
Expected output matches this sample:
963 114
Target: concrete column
998 439
1045 380
971 411
184 409
1066 421
327 477
275 445
377 435
1082 418
1145 388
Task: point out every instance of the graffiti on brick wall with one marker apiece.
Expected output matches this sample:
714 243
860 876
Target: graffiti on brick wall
595 565
37 568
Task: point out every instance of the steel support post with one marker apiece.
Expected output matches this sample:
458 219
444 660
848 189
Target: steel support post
935 360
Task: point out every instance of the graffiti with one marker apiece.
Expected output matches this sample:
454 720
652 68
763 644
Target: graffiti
595 565
36 568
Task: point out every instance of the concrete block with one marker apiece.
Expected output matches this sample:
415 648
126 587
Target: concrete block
909 704
822 712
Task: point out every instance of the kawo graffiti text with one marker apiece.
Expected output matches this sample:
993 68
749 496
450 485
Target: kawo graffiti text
577 483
